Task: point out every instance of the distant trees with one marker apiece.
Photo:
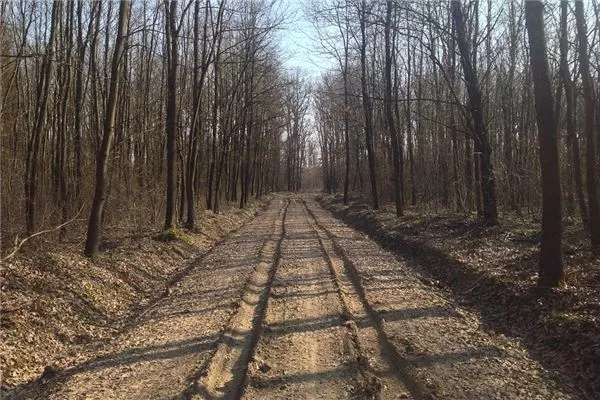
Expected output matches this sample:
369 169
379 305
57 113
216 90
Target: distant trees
430 105
297 102
338 45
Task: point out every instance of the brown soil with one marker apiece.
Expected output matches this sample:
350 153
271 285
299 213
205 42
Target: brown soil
314 335
492 271
297 305
58 306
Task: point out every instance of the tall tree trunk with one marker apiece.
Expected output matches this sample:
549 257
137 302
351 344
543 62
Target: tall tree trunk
171 118
95 222
551 271
367 105
78 101
509 122
572 138
408 116
33 146
192 155
95 84
480 133
391 123
212 197
62 117
589 121
346 122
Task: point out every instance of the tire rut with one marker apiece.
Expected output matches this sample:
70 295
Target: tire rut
223 376
163 355
360 314
318 341
441 350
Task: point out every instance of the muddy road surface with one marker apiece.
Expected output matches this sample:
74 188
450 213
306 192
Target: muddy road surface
297 305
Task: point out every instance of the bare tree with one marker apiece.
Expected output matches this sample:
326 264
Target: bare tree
480 134
94 232
171 44
391 123
367 101
550 267
572 138
33 146
589 121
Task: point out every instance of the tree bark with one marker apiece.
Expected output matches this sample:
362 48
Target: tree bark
367 105
95 222
589 121
482 145
551 272
391 123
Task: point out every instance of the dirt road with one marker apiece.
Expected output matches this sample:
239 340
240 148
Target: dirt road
297 305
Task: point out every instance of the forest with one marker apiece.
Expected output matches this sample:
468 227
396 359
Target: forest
167 109
489 108
152 151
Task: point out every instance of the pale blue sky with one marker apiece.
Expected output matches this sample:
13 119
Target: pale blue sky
299 48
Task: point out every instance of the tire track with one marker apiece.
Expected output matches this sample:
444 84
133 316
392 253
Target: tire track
224 375
162 356
400 365
305 351
444 351
371 384
318 341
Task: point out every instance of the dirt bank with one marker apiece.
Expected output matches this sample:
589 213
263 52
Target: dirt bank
57 305
492 271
